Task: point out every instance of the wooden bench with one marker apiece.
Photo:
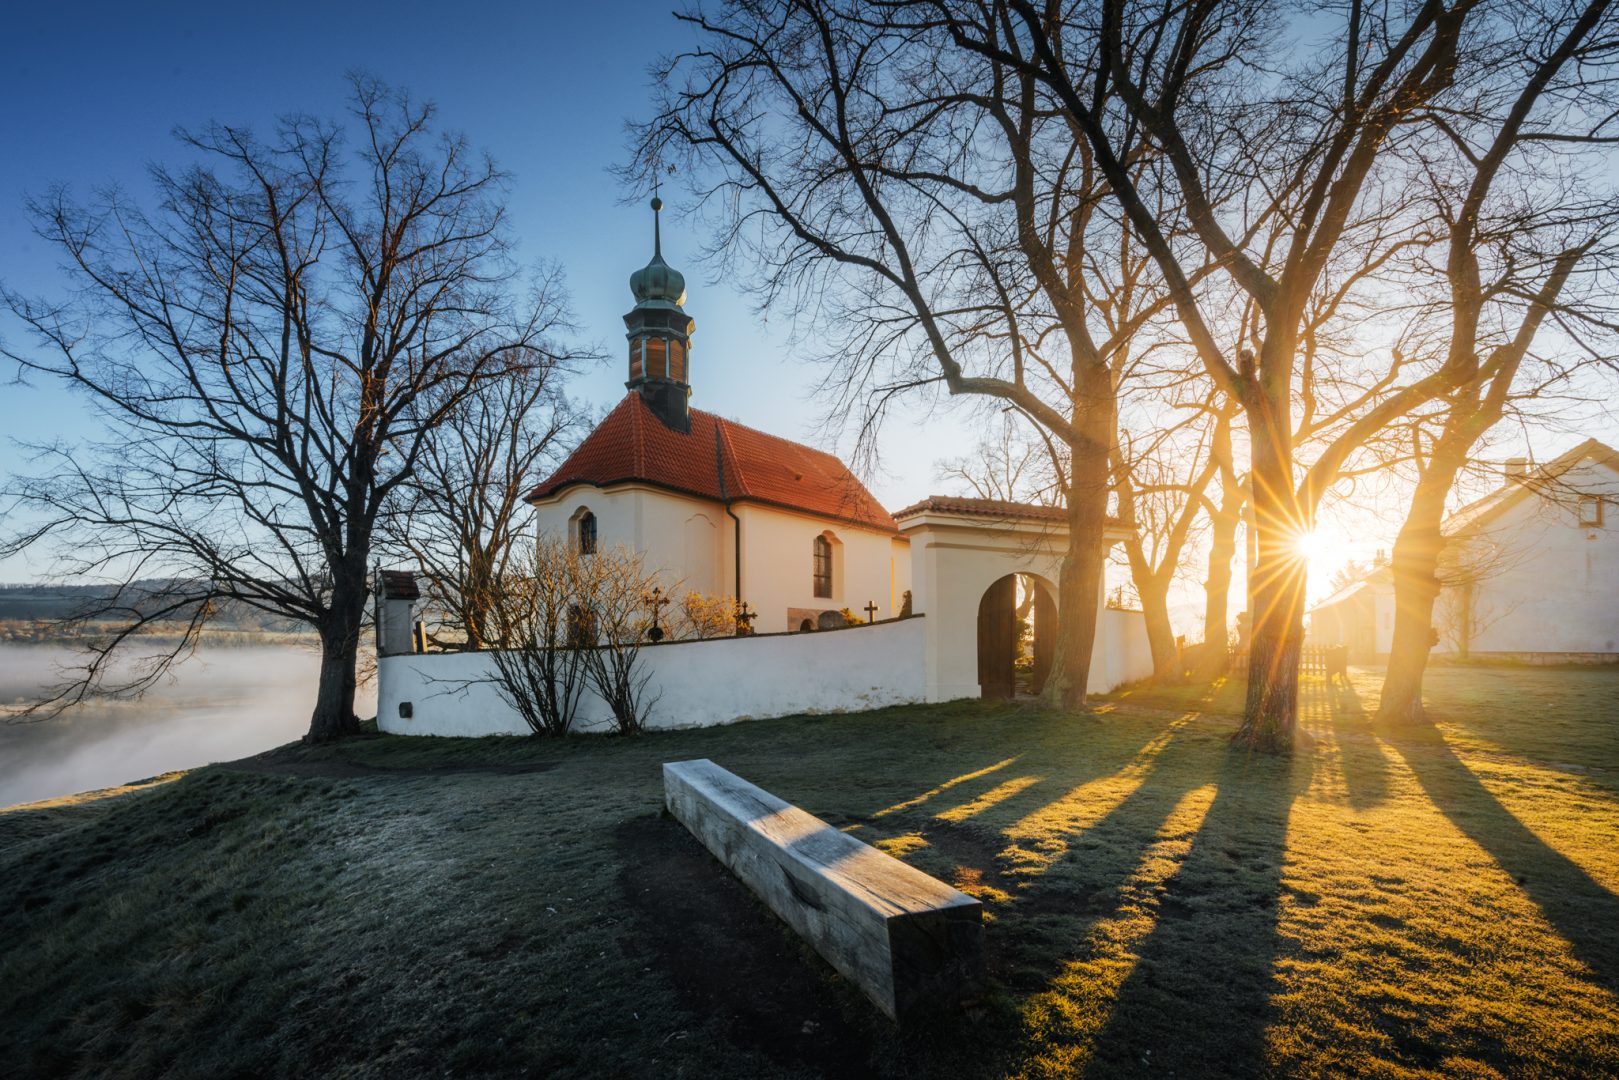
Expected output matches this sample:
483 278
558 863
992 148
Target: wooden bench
910 942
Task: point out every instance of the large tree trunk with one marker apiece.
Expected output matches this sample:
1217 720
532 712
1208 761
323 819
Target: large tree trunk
1276 593
334 716
1079 590
1415 568
1079 593
1270 716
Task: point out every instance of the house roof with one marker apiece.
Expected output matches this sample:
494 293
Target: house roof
400 585
1535 481
999 509
1379 574
718 459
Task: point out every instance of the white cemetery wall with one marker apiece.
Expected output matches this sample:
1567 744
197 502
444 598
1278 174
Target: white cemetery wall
1122 652
696 683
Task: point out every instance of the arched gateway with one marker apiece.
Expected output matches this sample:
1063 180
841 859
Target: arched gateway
1017 635
974 563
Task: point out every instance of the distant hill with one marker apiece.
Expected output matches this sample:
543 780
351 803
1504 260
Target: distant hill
33 603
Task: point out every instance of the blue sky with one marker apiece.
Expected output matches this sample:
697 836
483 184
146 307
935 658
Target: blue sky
93 92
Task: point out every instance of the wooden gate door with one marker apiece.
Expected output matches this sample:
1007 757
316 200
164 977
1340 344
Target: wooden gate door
1045 635
997 624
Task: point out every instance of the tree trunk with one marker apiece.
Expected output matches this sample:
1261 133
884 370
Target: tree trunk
1079 590
1160 633
334 716
1415 567
1217 589
1270 716
1276 591
1079 594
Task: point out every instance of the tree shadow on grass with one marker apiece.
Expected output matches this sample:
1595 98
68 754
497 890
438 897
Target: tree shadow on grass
1348 725
1580 909
1197 1001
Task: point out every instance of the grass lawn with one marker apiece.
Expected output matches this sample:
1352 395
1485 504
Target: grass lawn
1433 902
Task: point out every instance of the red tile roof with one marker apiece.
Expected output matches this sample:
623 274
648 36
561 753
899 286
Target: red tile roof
998 509
633 446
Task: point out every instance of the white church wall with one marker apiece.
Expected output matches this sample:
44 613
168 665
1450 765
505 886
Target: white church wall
697 684
685 540
1553 586
691 543
778 567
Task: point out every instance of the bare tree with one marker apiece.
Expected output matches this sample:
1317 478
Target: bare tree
1161 480
539 669
1306 151
1008 466
459 519
614 591
272 350
1532 216
938 218
1225 515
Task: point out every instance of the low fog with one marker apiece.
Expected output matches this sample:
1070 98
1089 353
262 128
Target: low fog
222 704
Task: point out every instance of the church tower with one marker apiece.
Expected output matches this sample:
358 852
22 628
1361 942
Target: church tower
659 331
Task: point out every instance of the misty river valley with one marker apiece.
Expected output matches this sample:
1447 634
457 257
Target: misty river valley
226 702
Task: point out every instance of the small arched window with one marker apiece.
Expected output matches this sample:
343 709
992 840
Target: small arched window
823 567
587 533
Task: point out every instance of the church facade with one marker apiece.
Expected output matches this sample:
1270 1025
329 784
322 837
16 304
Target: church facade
716 507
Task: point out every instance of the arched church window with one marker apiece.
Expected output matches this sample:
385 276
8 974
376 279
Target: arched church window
823 567
587 533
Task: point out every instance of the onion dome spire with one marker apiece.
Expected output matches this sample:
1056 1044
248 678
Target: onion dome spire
659 333
657 280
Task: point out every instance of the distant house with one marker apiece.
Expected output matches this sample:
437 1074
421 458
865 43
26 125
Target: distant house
1530 571
1360 616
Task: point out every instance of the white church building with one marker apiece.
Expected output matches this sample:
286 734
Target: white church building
722 509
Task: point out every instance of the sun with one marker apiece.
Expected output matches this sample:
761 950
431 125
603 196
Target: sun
1322 551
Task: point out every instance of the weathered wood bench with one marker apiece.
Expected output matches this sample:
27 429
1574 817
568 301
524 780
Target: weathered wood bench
910 942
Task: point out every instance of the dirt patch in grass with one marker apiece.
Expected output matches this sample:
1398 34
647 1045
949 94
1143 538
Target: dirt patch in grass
731 959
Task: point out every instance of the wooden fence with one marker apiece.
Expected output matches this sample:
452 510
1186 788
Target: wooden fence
1313 660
